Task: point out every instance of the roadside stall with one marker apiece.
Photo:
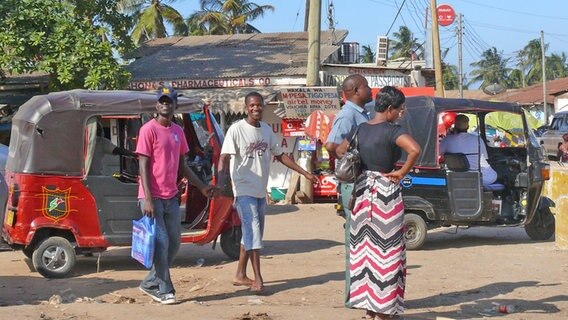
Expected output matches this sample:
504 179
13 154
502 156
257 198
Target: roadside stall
309 113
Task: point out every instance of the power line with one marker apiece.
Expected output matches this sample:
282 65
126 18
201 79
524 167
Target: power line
508 10
395 17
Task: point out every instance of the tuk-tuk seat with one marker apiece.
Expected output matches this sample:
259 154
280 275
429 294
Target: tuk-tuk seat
494 187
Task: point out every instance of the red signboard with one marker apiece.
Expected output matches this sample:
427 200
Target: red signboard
327 186
446 15
293 128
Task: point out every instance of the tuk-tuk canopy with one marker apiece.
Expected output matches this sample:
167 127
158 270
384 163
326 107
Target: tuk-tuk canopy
421 120
49 135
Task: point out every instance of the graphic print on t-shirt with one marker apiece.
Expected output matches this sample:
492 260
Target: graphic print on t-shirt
258 146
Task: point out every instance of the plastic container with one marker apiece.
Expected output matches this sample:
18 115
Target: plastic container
505 308
278 194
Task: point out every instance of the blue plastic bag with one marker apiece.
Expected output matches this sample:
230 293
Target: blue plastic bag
144 240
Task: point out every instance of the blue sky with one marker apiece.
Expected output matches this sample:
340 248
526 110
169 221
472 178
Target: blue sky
507 25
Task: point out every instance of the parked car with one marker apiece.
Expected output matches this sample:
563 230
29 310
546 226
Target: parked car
553 136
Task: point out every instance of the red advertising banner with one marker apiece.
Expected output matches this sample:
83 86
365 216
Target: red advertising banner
293 128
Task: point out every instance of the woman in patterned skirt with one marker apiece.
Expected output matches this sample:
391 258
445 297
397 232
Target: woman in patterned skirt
376 271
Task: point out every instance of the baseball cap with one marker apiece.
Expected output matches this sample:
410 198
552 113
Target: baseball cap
167 91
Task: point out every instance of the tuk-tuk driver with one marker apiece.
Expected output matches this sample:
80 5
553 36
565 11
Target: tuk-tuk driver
472 146
161 150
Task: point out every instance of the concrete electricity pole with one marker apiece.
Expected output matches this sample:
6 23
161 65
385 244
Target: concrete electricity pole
314 29
312 80
436 49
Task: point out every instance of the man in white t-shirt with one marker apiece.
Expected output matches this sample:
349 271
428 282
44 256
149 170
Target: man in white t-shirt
472 146
247 150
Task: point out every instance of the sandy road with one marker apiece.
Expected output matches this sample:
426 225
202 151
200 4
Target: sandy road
455 276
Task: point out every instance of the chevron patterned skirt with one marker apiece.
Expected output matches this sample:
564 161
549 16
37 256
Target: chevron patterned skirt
376 272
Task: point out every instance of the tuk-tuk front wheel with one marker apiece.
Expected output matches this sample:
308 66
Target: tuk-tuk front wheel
54 257
541 226
415 231
231 242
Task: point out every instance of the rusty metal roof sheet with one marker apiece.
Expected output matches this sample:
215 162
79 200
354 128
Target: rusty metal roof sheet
226 56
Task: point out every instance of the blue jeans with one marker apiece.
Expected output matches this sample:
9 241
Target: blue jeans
251 212
168 238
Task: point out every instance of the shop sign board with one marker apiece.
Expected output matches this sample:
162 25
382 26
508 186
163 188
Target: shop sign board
446 15
302 101
327 186
293 128
306 145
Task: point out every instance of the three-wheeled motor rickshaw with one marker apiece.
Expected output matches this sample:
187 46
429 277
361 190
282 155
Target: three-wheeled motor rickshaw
57 208
442 190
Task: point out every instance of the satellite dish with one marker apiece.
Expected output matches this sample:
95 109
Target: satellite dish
494 89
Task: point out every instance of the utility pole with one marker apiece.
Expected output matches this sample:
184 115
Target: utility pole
307 16
460 57
436 49
312 79
545 107
314 29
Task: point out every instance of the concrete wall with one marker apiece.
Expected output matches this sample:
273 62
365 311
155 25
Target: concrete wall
555 189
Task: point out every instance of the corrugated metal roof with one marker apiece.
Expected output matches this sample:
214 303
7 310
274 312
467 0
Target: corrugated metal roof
227 56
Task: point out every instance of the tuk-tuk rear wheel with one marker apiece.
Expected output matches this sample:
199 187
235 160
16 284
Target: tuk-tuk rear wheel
541 226
231 242
415 233
54 257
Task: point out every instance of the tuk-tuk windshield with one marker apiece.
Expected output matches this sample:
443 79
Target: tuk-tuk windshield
504 130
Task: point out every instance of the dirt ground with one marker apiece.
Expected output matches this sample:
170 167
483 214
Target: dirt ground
455 276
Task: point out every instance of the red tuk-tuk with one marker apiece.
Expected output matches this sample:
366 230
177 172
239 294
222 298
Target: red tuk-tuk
57 209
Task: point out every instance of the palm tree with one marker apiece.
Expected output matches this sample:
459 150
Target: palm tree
151 17
533 56
404 44
450 77
226 17
368 55
556 66
492 68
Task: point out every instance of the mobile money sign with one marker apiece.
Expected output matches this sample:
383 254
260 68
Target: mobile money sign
302 101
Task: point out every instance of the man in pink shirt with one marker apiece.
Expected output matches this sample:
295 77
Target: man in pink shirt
161 150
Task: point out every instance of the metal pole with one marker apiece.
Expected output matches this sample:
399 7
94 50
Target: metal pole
436 49
460 57
545 107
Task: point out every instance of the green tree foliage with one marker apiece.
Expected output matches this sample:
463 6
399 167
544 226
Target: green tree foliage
533 58
64 39
226 17
151 18
450 77
404 44
492 68
556 66
368 55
